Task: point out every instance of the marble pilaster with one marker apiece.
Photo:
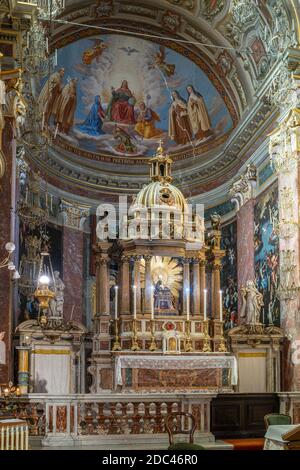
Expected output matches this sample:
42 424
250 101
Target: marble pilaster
245 246
242 194
73 244
285 141
6 320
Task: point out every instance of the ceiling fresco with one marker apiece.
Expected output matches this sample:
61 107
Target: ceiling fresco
113 101
118 95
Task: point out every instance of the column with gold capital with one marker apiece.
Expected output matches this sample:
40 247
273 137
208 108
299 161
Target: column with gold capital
148 284
23 369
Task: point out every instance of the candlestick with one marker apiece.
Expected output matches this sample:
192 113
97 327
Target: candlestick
206 342
134 302
222 344
204 303
116 302
152 346
188 343
116 345
221 306
134 345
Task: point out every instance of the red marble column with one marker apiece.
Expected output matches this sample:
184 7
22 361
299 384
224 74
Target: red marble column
6 320
73 273
245 245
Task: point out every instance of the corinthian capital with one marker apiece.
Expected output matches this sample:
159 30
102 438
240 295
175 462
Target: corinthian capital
242 189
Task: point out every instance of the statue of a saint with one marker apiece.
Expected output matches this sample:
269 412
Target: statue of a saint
252 303
57 304
162 297
215 219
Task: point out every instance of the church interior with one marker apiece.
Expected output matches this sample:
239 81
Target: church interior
149 224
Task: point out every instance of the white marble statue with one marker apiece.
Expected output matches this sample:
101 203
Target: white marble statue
252 301
57 304
2 348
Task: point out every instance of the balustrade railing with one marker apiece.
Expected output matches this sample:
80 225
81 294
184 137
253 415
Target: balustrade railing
111 414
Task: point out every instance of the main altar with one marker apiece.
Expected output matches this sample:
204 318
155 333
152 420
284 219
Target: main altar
159 325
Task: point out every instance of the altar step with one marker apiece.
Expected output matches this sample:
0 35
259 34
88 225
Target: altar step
131 444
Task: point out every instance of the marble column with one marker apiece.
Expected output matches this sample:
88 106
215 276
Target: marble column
137 281
202 285
104 291
186 283
74 217
23 369
6 235
73 274
245 246
148 285
216 274
98 284
125 286
196 288
242 194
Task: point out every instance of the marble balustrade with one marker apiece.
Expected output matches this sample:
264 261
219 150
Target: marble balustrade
88 419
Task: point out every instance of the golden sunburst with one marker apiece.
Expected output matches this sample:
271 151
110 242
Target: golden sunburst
166 269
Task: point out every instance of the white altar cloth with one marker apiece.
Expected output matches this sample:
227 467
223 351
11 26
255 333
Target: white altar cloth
176 362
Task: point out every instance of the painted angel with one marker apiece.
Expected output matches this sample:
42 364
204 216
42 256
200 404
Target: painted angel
160 61
94 52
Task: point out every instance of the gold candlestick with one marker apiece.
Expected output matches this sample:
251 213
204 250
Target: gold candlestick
206 343
222 345
152 346
188 344
134 346
116 346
